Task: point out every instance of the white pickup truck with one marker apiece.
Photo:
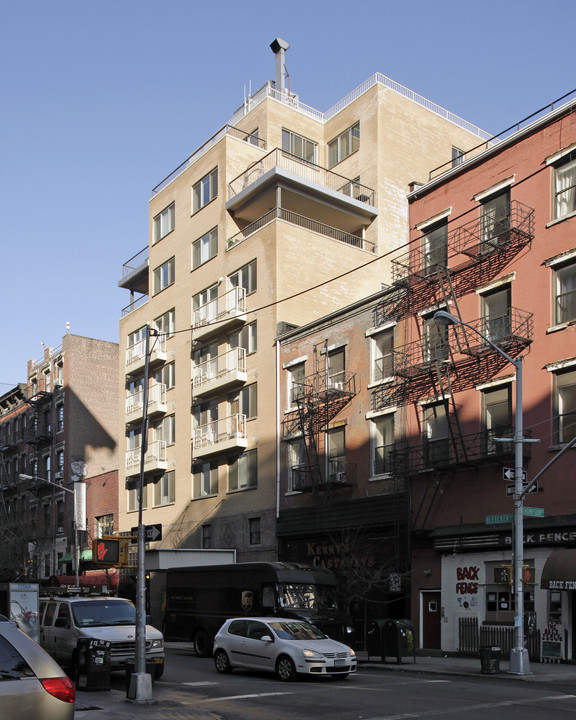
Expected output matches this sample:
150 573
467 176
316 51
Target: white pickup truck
63 621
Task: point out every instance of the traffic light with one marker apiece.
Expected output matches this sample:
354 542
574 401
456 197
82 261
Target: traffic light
529 575
503 575
110 551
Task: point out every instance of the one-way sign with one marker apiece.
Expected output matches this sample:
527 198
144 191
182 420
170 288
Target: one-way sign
152 533
510 488
510 474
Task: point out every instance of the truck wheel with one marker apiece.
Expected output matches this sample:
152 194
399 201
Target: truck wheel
202 643
158 671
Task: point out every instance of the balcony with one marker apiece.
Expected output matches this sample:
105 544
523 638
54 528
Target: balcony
341 474
154 459
136 354
293 218
156 403
306 188
135 273
220 314
219 436
221 372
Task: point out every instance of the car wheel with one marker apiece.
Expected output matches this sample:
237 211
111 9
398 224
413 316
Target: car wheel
201 643
222 662
285 669
158 671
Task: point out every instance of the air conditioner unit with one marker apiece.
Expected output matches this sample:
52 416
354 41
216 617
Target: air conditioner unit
59 529
58 382
59 475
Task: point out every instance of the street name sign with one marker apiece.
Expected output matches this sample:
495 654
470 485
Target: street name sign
509 517
152 533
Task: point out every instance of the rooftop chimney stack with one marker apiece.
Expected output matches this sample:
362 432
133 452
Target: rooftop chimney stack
279 48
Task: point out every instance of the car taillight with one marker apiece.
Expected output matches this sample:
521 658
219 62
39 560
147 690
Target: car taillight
61 688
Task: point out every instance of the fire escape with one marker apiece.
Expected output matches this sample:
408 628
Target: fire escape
445 361
317 400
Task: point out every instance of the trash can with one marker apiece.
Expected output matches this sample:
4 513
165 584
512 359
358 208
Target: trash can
490 660
374 637
94 666
398 640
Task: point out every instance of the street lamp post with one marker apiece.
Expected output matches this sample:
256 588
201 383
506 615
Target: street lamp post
73 492
519 660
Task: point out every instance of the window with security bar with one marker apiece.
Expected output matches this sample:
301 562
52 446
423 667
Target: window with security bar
565 186
383 355
565 294
383 440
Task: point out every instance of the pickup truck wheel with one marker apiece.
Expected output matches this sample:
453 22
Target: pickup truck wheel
158 671
202 643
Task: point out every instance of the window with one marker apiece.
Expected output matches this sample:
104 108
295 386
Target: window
244 277
565 186
253 138
564 406
59 418
205 190
496 417
457 156
297 467
434 340
164 276
245 338
435 247
344 145
565 293
203 355
337 369
47 467
47 381
166 375
205 306
205 479
296 383
60 463
299 146
245 402
165 431
165 324
495 219
254 537
383 355
242 471
206 537
163 223
496 314
383 438
104 525
133 499
435 434
136 336
205 413
336 447
500 606
205 248
164 489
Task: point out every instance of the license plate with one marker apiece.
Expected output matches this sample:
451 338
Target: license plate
339 661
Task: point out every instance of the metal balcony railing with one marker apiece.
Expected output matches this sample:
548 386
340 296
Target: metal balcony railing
308 171
340 473
303 222
156 399
154 459
230 304
228 363
220 431
136 354
475 240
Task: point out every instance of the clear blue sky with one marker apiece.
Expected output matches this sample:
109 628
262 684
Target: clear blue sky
101 100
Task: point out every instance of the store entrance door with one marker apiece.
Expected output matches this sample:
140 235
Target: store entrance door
431 618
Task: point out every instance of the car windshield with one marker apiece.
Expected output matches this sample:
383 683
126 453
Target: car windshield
296 631
310 597
98 613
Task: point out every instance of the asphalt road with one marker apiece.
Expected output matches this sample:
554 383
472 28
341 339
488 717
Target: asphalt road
370 694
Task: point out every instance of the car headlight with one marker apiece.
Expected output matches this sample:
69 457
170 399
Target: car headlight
352 653
157 643
312 654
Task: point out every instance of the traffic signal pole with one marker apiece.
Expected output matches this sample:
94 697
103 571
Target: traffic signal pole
140 688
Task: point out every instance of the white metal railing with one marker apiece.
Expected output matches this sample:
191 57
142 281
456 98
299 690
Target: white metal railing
229 304
306 170
229 362
156 396
219 431
155 454
136 353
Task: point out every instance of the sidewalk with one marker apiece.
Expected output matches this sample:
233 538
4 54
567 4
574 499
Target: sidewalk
112 704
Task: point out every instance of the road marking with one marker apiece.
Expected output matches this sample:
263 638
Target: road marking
245 697
197 684
471 708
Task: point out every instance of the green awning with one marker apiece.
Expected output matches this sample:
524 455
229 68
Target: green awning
85 555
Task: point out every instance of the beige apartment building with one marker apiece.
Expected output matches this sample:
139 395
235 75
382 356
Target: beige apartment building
284 215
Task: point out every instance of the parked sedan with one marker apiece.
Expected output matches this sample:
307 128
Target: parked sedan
32 684
287 647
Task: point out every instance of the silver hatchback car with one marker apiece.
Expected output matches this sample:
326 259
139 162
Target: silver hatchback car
281 645
32 684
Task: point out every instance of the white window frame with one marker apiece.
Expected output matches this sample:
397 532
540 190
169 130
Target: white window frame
164 275
378 437
344 145
166 323
165 489
564 198
300 146
205 248
246 338
242 471
205 479
381 362
568 269
205 190
164 223
245 277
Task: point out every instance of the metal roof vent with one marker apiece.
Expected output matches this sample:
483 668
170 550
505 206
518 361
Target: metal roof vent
279 48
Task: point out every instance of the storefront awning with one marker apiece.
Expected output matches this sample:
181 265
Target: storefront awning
559 572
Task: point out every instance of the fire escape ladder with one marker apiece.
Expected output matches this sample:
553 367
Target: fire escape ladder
427 502
442 373
451 305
